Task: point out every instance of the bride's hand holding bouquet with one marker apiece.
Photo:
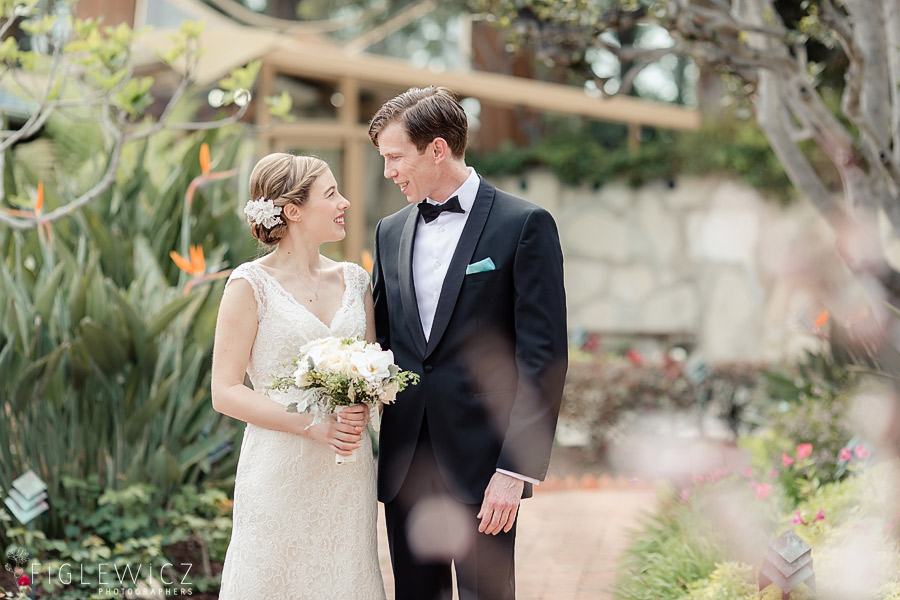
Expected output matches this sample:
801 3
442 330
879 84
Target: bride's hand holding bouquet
335 373
341 431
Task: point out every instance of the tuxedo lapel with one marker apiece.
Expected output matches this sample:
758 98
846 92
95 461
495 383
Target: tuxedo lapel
456 272
407 286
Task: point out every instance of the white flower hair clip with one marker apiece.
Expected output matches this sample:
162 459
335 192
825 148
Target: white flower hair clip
263 212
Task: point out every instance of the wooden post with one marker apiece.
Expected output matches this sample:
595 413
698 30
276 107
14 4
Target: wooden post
353 170
263 118
634 137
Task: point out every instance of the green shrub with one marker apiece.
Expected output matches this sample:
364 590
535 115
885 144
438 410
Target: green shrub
104 356
671 549
577 155
679 554
600 391
810 404
730 581
121 528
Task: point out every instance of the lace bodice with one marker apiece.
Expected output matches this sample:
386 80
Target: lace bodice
304 527
285 325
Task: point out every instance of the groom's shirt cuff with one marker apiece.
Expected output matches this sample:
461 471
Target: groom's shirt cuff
530 480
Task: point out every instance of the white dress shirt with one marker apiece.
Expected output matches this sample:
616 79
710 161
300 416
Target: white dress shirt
434 246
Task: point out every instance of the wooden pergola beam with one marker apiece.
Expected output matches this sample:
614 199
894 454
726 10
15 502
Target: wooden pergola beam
354 164
325 61
319 58
331 133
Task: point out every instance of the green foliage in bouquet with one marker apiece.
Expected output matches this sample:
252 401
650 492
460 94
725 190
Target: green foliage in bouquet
104 344
340 386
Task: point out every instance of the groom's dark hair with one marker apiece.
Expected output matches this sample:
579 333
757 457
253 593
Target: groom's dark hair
426 114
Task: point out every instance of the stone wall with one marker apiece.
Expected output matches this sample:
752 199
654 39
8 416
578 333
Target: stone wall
703 261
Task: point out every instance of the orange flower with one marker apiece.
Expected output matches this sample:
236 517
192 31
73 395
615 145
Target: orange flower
204 158
368 263
196 266
225 505
39 203
821 319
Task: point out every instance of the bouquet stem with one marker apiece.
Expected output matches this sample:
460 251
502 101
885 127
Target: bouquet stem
346 460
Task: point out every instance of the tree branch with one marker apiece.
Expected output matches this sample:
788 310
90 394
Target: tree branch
43 111
198 126
874 101
643 60
7 25
67 209
725 21
838 23
892 32
775 122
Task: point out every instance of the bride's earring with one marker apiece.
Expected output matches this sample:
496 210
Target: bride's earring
292 213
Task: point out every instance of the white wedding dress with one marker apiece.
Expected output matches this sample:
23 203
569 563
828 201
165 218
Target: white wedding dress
304 527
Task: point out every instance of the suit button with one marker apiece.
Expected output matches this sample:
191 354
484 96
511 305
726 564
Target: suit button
428 368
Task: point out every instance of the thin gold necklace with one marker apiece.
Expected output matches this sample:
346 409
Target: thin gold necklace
314 291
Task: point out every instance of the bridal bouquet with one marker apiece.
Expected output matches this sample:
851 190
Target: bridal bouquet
335 372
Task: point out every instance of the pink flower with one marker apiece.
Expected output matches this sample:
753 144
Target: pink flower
804 450
718 474
635 357
846 455
763 490
748 471
861 451
820 516
787 460
773 474
797 519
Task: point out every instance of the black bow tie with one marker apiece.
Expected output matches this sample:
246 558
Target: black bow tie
430 211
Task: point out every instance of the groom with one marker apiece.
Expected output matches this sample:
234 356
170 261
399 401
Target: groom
468 289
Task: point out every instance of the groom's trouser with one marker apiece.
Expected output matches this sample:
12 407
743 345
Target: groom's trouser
428 527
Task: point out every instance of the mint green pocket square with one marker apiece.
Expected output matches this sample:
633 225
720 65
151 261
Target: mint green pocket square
482 265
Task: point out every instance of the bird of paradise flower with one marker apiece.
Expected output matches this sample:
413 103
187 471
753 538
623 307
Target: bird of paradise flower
192 260
36 212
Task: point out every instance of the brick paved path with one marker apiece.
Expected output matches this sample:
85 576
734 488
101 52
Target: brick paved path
568 542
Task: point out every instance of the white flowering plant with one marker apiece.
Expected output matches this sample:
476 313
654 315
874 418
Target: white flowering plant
336 372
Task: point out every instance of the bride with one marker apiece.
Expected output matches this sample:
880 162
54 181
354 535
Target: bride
304 527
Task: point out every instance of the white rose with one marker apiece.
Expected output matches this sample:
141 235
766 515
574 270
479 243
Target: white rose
389 393
315 350
300 378
357 346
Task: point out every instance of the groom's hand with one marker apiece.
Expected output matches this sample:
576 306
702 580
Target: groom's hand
501 503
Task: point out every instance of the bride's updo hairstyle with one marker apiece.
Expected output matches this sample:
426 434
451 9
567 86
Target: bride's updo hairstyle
284 179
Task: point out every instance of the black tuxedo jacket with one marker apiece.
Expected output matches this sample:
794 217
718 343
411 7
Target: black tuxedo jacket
494 365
